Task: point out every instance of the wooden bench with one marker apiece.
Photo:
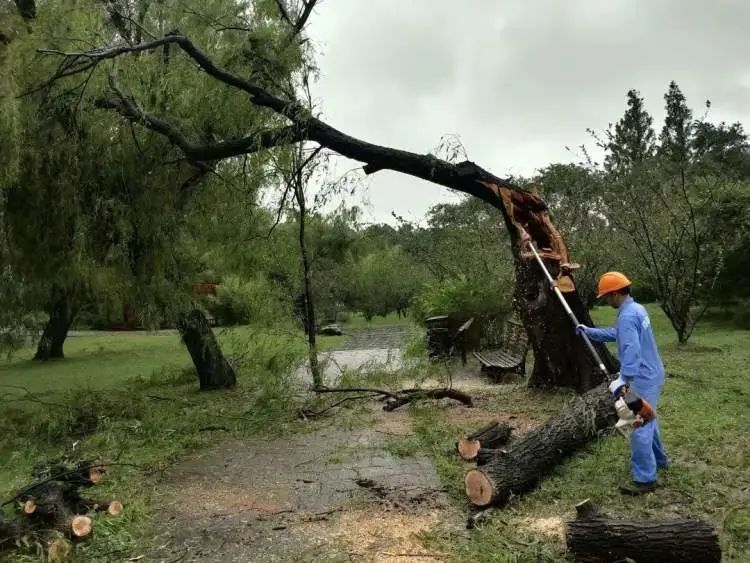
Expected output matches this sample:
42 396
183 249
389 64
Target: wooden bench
510 358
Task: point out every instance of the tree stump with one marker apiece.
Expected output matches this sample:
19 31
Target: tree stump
593 538
519 468
491 436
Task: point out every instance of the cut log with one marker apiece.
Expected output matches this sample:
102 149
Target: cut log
594 538
114 508
519 468
80 526
29 507
489 437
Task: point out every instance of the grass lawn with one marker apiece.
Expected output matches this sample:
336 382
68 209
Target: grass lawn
357 320
101 360
704 419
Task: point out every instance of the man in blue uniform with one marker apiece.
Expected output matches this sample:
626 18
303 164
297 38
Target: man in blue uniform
641 369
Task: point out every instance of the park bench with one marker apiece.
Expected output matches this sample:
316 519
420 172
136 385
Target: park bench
510 358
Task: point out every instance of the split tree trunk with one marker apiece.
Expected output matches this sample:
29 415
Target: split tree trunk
519 469
561 359
593 538
214 372
61 315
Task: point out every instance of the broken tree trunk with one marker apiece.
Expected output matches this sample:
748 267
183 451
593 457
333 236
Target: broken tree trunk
214 372
519 468
594 538
491 436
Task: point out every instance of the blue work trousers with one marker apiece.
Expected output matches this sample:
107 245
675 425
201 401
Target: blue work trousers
646 450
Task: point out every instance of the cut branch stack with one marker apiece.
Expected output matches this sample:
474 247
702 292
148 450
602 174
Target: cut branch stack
54 505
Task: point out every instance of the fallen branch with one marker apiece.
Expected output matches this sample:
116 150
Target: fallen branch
403 399
594 538
396 399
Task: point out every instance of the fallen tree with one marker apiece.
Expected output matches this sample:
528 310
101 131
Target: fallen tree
488 437
561 358
519 468
595 538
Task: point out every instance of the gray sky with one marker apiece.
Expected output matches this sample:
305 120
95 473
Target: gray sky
516 80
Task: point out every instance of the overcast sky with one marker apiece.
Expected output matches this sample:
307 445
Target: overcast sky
516 80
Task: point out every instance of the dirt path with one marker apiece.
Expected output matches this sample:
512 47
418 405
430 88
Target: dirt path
334 493
329 494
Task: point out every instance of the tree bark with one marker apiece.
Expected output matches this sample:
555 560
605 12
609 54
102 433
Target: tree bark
519 469
61 315
214 372
596 539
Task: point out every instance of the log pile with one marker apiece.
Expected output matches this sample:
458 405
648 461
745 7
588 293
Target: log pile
594 538
54 506
504 473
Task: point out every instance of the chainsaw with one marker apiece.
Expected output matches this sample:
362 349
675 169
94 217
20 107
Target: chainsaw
633 411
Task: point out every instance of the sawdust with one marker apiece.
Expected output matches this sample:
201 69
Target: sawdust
384 536
219 499
553 527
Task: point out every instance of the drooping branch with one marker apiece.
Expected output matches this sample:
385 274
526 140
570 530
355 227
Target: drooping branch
128 108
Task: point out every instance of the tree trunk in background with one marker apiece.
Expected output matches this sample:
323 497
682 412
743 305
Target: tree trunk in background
214 372
61 315
309 317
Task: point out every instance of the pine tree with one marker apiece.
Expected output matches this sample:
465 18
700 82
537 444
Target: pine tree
633 138
675 137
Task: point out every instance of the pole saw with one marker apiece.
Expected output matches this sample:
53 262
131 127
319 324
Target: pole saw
632 410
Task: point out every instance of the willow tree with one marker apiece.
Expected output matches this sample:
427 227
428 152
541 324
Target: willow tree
94 206
560 357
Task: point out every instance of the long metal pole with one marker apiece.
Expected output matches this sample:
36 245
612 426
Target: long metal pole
568 310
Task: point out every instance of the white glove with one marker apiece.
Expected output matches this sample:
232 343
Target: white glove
627 418
616 385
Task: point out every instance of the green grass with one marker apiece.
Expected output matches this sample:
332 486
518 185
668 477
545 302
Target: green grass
704 417
109 359
357 320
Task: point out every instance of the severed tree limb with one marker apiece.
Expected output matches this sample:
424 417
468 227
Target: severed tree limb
128 108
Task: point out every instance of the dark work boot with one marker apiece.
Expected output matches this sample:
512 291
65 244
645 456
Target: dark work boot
635 489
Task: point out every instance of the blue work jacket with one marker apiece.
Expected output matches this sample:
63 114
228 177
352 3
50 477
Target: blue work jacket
636 346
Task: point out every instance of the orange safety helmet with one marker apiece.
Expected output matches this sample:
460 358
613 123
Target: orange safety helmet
611 281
